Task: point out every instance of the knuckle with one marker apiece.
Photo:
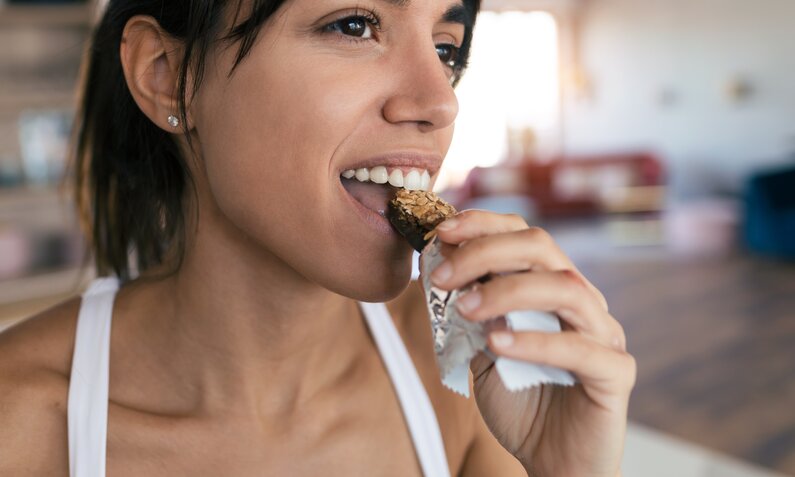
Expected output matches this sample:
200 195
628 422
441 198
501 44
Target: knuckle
621 333
622 340
581 290
602 300
517 220
571 286
537 234
528 238
617 329
632 370
570 278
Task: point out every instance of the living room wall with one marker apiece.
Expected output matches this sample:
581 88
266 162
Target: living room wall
709 84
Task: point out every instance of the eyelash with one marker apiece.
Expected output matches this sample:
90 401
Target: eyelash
373 20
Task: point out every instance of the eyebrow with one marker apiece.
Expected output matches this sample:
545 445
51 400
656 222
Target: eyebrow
455 14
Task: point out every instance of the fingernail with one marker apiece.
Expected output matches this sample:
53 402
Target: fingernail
442 273
501 339
448 225
469 301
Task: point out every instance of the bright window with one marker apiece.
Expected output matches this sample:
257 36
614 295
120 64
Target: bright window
512 82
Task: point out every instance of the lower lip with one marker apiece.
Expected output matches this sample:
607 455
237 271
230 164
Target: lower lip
375 220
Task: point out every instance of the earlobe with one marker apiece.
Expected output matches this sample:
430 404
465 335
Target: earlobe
151 68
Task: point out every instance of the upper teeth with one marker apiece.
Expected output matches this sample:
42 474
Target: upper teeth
413 180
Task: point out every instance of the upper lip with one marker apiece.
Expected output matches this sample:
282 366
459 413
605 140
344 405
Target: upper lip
417 160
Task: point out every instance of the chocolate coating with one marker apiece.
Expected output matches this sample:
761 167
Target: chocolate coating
415 214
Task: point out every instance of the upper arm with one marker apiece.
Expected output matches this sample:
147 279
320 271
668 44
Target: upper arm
34 383
33 431
486 456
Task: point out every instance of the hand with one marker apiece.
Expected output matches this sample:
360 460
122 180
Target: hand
553 430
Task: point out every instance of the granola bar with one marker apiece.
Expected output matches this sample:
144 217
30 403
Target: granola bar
415 215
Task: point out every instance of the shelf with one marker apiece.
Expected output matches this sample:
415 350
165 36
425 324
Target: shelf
48 16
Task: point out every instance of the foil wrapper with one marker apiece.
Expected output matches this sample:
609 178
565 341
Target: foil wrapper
458 340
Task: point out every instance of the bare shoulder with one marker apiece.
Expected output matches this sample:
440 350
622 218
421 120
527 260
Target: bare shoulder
45 340
35 358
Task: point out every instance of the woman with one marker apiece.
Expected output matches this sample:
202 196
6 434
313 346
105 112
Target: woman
213 141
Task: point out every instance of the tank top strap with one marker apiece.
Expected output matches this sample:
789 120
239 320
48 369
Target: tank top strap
87 414
417 409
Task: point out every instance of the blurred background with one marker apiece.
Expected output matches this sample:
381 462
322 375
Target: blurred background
655 139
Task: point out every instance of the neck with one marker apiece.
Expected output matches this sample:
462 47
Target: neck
243 330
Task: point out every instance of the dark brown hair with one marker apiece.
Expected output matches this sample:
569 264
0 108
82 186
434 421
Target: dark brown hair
130 177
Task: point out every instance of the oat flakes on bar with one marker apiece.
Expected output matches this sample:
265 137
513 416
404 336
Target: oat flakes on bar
415 214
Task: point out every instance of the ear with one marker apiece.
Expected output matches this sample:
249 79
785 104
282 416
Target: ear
151 61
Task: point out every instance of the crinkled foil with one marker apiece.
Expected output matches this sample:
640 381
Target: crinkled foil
458 340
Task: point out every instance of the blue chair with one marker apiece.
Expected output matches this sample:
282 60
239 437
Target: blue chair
770 212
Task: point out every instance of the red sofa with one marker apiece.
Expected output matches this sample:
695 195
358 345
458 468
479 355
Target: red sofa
574 185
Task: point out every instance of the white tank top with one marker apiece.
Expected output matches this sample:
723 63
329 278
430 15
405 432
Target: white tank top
88 387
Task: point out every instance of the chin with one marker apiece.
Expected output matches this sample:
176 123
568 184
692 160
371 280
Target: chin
373 284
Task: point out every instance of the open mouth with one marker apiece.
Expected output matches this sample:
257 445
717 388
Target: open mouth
374 188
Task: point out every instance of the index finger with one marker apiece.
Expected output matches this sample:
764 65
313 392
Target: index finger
471 224
524 250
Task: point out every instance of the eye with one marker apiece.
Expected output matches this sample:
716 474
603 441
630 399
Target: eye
358 26
448 54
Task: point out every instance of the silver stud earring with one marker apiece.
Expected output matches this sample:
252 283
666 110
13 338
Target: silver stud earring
173 121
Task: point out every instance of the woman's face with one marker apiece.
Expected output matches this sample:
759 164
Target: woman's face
330 86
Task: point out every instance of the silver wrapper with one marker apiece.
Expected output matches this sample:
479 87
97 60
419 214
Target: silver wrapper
458 340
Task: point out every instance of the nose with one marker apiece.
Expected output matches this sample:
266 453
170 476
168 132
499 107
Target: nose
422 93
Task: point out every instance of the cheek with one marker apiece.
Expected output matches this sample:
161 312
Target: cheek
269 136
276 126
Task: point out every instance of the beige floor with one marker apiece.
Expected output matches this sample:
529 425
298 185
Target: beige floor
649 453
